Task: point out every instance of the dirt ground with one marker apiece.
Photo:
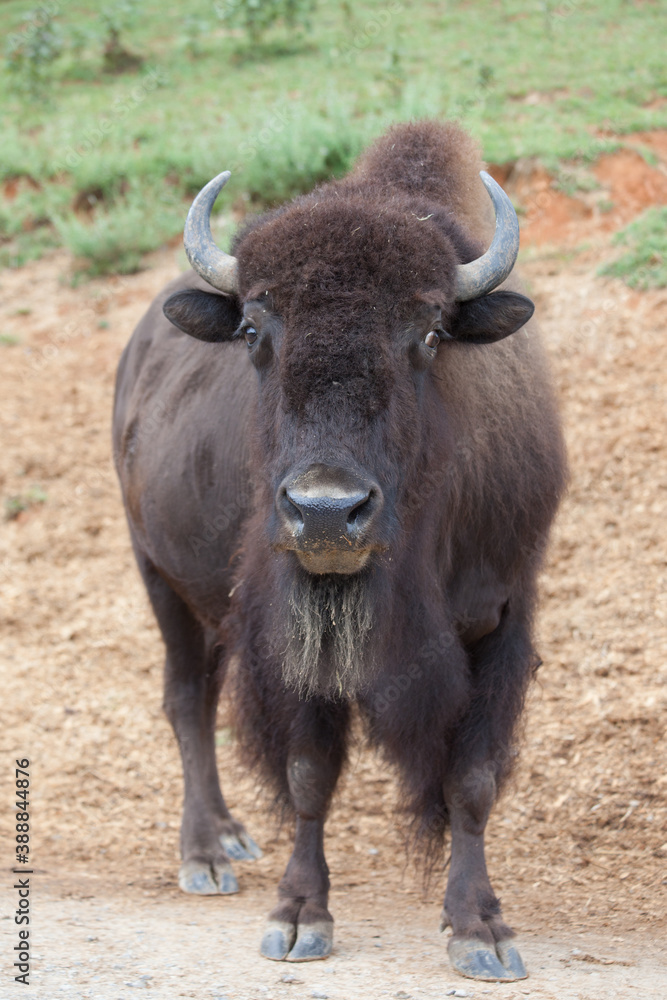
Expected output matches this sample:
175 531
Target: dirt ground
577 847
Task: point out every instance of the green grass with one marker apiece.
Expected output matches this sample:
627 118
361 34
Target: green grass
16 504
115 237
645 264
108 163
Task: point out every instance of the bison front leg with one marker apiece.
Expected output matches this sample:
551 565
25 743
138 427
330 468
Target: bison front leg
210 836
300 927
481 946
193 676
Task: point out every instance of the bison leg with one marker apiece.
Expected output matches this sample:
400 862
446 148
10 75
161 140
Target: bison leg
300 927
482 945
193 676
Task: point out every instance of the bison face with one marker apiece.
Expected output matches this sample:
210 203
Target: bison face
328 382
350 310
344 304
345 308
350 424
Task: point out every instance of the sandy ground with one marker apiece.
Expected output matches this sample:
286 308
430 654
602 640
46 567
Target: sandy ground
577 847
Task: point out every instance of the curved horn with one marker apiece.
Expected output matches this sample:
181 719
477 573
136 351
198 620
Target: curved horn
486 273
208 260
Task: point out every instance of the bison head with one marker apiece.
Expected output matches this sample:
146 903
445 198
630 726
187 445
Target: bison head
348 300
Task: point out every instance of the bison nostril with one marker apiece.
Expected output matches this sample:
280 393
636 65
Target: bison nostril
291 512
327 507
361 513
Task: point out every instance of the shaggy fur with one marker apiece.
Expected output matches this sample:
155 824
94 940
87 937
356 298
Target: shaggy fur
327 632
345 267
434 638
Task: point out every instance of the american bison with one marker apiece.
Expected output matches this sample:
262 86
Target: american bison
340 456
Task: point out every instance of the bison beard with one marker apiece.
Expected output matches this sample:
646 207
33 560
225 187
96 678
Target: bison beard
328 651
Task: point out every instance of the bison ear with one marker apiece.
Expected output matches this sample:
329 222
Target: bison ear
490 318
203 315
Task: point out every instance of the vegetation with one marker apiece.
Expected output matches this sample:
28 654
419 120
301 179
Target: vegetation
116 21
15 505
645 264
256 17
108 157
32 50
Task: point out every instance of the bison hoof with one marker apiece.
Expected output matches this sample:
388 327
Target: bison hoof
240 847
508 953
204 879
278 939
307 943
476 960
313 941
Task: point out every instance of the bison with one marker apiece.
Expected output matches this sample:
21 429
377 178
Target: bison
340 455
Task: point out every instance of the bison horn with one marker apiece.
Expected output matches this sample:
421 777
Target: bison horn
486 273
208 260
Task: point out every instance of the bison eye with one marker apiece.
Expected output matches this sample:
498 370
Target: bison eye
432 339
250 334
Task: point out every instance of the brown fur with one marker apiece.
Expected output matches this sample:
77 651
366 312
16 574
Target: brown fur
343 285
476 483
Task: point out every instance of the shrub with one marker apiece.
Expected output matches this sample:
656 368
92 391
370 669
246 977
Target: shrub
255 17
114 238
116 20
31 52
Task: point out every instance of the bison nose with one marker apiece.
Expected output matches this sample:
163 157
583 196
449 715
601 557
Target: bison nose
327 507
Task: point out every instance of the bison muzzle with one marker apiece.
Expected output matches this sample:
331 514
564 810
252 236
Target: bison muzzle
340 462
